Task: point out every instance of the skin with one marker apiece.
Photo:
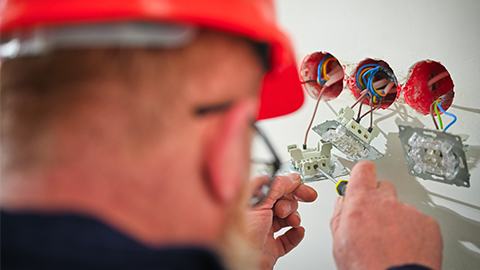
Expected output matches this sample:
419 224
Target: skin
147 185
279 211
105 155
372 229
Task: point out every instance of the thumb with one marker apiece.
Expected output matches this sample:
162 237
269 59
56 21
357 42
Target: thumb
362 177
283 185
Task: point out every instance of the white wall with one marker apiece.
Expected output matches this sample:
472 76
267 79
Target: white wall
401 33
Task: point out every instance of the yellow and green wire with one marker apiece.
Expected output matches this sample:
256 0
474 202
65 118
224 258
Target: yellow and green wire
438 105
365 76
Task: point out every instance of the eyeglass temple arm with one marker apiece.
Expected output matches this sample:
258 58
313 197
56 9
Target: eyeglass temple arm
276 163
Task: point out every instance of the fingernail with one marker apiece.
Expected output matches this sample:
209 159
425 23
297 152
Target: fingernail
298 198
339 200
287 208
293 176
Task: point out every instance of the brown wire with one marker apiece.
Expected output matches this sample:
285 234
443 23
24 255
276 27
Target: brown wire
361 97
371 114
359 111
313 116
369 111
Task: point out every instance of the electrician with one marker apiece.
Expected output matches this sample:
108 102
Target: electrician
126 129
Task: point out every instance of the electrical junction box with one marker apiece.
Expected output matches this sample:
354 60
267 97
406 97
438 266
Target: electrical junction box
303 162
349 137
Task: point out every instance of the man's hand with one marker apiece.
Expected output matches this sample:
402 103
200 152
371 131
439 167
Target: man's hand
372 229
279 210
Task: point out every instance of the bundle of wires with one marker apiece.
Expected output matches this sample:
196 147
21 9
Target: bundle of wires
322 79
322 76
436 106
365 76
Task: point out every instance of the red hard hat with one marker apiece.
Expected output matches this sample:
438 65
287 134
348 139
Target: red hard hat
254 19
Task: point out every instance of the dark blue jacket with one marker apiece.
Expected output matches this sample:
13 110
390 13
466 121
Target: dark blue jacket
68 241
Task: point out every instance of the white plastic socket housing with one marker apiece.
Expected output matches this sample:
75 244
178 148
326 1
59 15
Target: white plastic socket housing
345 116
304 161
349 137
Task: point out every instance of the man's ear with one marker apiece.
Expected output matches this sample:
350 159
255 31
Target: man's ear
228 159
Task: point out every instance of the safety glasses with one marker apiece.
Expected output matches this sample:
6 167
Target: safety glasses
264 160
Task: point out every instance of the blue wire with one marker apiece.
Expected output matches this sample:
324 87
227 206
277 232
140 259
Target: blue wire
449 114
371 73
319 69
360 70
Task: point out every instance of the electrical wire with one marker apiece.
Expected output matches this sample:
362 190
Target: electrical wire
439 105
360 98
365 80
437 78
433 116
369 111
372 108
371 115
313 117
321 80
360 73
372 86
359 111
322 76
324 68
319 70
371 103
438 114
367 74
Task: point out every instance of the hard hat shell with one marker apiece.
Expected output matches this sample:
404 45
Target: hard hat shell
254 19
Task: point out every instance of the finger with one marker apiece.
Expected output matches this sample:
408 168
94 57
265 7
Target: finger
335 220
305 193
285 207
292 220
283 185
278 224
290 240
362 177
387 188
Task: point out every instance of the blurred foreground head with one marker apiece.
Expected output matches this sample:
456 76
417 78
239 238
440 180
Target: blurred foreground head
100 112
